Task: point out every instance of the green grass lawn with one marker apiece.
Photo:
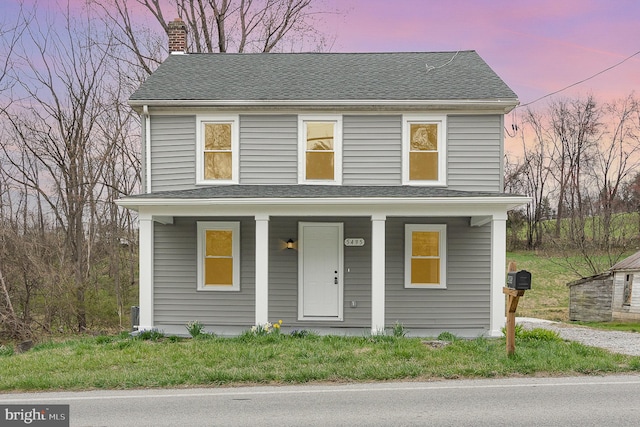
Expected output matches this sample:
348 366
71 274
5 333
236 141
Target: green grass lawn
612 326
548 297
119 362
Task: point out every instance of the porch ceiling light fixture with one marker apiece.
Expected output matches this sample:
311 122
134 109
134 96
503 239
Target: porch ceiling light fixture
290 244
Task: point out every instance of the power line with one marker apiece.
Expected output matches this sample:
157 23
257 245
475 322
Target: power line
581 81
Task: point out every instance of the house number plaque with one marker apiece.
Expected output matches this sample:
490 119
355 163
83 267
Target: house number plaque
354 241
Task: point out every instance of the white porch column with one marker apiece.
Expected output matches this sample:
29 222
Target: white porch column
378 248
498 259
145 234
262 269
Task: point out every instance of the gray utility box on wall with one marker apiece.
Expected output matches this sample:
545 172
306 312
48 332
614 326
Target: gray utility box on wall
519 280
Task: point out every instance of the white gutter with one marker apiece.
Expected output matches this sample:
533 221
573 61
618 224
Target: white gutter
505 104
134 203
147 145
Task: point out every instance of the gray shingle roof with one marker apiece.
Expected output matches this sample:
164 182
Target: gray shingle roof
313 191
324 76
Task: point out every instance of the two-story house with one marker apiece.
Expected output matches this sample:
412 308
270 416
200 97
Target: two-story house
340 193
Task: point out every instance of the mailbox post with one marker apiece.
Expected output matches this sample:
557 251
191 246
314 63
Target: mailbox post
517 283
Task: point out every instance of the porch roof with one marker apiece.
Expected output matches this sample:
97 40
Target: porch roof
317 191
318 195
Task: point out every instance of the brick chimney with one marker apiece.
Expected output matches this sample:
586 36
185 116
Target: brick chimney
177 30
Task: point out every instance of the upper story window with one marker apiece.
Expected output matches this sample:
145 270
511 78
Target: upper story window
217 149
320 149
424 150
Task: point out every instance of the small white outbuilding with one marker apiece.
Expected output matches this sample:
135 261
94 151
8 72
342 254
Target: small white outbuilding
609 295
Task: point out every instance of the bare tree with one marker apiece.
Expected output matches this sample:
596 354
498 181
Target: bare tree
614 160
534 172
574 131
218 26
55 128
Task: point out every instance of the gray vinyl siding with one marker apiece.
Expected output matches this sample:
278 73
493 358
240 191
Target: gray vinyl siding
176 300
464 305
372 150
283 274
269 149
465 302
474 149
173 153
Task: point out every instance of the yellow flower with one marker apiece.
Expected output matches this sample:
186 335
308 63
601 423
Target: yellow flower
276 326
280 322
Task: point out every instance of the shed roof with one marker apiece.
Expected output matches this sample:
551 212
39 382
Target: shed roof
583 280
418 76
630 263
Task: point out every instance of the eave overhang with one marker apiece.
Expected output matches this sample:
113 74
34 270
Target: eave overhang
363 206
499 105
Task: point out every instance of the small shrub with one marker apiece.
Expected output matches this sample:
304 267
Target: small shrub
6 351
195 328
447 336
398 329
150 335
518 331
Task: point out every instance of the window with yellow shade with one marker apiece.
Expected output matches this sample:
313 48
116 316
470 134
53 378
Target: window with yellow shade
425 256
217 149
424 150
218 256
320 149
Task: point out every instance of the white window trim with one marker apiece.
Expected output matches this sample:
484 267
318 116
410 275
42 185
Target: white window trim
410 228
234 120
337 148
234 226
441 120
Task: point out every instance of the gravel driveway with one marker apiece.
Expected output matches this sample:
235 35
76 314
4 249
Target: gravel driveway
615 341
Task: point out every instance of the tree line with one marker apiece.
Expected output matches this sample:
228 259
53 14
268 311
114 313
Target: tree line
70 145
579 165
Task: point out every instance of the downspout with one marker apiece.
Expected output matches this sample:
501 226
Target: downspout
147 146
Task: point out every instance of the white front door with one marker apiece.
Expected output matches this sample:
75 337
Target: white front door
320 286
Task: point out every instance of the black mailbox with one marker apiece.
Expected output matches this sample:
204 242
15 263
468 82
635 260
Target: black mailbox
519 280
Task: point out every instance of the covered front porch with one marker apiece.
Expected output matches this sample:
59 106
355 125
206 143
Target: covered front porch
370 292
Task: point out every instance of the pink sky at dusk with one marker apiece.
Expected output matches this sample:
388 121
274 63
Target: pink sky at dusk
537 47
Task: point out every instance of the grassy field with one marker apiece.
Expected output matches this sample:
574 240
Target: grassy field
121 362
548 297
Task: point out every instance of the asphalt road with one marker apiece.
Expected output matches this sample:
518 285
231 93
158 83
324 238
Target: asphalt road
574 401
